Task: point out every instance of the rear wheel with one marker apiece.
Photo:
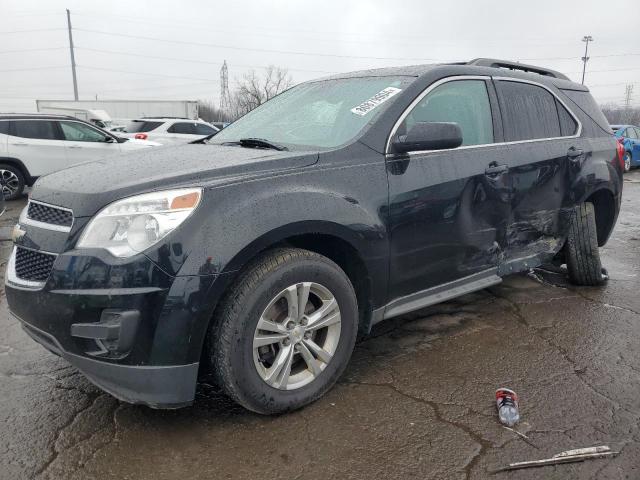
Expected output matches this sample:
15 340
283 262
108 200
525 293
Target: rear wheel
627 161
12 181
285 333
581 249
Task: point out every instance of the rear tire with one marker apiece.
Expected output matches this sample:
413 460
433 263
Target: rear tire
581 248
246 371
12 181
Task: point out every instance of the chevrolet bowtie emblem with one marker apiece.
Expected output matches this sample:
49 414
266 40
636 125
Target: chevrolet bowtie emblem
17 233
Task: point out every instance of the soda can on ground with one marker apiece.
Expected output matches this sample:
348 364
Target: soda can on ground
507 403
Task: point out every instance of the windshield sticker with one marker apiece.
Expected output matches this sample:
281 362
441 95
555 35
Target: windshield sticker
379 98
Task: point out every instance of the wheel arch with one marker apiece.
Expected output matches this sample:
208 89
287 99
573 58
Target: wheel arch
604 205
28 179
332 240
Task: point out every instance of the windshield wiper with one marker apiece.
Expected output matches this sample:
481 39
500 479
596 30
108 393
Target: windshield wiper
260 143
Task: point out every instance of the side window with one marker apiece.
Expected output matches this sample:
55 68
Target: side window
568 125
4 128
465 102
637 132
528 111
203 129
631 133
79 132
186 128
40 129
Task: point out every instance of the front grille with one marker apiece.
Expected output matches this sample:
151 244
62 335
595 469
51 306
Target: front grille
33 266
48 214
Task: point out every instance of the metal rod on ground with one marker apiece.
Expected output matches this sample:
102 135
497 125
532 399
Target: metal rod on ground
73 58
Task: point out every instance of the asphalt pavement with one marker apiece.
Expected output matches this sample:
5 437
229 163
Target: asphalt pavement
417 400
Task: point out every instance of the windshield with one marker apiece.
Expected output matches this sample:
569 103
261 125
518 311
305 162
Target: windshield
323 114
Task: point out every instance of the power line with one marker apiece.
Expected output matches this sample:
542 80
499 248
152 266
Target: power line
231 47
7 32
149 74
25 50
204 62
31 68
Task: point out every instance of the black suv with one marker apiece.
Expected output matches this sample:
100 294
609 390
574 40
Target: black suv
261 253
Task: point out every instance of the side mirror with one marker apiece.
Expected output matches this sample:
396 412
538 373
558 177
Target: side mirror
429 136
109 139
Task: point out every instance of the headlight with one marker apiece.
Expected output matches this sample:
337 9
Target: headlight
132 225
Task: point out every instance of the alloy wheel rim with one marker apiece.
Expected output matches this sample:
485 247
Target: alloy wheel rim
627 162
297 336
10 182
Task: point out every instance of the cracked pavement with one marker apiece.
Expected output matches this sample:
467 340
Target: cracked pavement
417 400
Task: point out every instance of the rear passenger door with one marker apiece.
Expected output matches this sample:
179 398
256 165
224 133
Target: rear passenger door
38 144
543 156
634 135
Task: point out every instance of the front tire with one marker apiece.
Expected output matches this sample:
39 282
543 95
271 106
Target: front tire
285 332
581 249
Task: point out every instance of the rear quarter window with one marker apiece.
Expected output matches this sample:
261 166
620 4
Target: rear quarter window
585 102
141 126
4 128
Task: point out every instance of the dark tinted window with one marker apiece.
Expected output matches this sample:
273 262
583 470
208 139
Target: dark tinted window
568 125
528 112
41 129
183 127
4 127
202 129
141 126
588 105
465 102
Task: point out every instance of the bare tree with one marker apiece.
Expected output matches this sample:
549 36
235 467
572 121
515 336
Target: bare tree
253 89
616 114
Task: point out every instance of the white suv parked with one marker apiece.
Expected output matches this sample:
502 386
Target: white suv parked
168 130
32 145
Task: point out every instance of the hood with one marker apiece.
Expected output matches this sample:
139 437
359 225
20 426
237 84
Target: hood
87 187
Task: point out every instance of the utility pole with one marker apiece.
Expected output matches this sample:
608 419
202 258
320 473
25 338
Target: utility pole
586 39
73 58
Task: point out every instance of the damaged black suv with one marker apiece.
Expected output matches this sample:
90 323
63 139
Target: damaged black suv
260 254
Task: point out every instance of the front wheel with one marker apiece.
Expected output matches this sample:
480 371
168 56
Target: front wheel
627 161
11 181
285 333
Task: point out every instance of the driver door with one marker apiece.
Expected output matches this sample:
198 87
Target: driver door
448 208
85 143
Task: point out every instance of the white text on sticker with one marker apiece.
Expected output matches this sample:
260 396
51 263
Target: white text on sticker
380 97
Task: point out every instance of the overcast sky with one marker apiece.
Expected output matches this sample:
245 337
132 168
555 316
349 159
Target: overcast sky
184 42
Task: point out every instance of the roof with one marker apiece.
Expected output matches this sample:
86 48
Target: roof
33 116
478 66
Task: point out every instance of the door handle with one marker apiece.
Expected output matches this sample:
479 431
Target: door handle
22 144
75 146
493 170
574 154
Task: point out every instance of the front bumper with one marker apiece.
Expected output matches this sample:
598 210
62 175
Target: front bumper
154 360
170 386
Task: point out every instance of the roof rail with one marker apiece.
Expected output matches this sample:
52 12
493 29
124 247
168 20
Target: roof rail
494 63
